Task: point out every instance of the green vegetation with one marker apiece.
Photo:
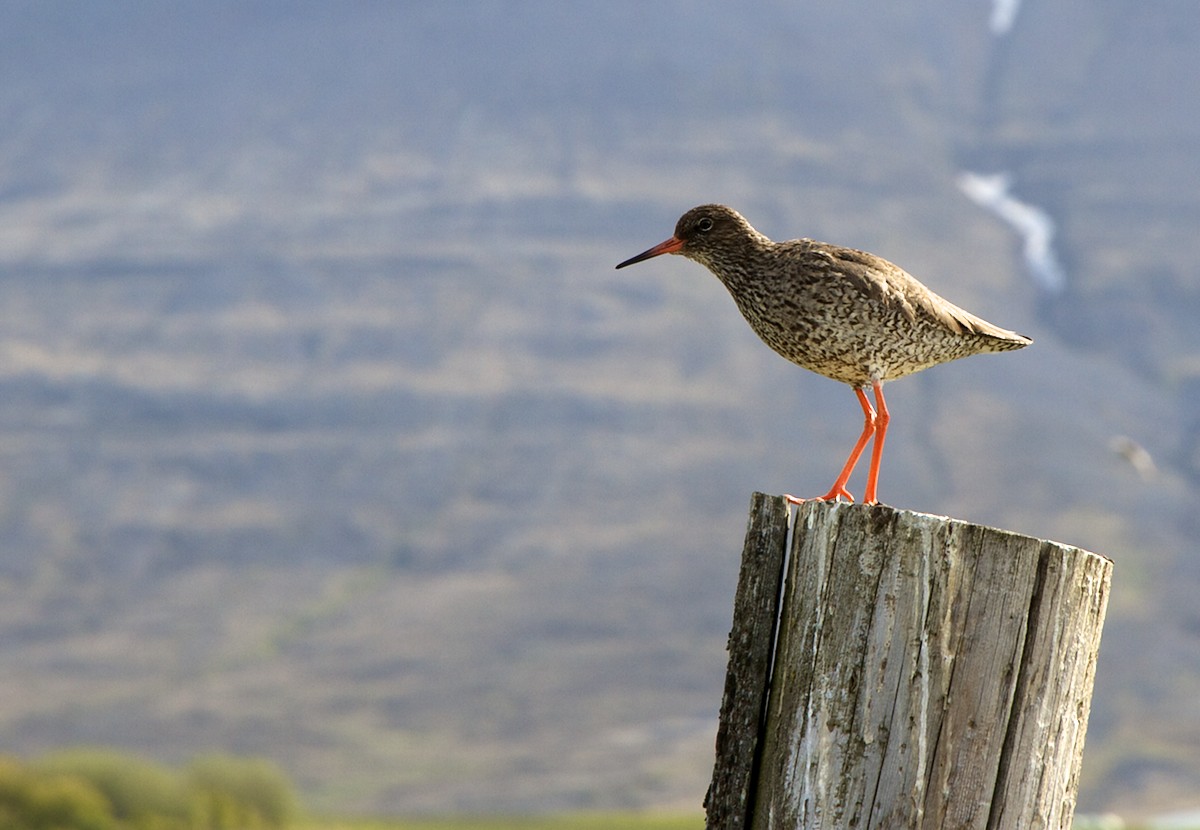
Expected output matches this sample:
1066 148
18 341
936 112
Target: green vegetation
100 789
579 821
95 789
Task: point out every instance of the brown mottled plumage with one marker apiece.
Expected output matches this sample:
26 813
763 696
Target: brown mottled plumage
845 314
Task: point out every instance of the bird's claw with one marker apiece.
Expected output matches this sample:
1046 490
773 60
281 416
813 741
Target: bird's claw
836 494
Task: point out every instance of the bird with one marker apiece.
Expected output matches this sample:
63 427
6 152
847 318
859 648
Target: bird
1138 456
843 313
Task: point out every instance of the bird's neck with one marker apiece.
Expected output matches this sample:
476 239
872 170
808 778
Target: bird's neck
739 262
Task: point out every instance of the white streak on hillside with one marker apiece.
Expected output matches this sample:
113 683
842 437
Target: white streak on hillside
1004 14
1032 223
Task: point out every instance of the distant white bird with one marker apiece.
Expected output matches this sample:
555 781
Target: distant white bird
1137 455
1032 223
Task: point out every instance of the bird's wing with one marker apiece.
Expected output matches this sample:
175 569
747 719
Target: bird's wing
892 286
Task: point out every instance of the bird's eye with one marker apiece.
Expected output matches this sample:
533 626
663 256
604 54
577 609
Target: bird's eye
704 225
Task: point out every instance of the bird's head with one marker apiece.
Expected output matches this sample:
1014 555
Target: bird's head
705 234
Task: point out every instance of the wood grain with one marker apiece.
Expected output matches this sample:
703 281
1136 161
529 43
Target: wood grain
928 673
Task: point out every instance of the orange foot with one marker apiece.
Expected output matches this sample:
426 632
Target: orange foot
833 495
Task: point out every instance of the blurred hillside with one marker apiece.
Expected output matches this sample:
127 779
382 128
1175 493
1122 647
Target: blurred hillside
329 433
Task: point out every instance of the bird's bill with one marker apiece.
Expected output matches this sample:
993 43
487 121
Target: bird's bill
671 246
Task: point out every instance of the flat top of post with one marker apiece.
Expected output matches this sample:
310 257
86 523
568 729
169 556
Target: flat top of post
806 511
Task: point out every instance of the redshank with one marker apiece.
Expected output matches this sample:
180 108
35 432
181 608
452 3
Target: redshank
845 314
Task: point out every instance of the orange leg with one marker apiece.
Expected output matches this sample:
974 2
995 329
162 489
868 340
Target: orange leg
838 490
881 425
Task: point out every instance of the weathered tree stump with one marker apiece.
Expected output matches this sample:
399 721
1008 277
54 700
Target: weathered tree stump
921 673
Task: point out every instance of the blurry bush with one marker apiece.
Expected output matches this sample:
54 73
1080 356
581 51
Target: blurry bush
99 789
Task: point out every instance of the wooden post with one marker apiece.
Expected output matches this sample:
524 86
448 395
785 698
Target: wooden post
923 673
